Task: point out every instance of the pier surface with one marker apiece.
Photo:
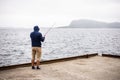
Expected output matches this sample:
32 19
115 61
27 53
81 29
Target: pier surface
94 68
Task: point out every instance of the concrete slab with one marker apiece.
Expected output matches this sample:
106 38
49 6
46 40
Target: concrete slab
94 68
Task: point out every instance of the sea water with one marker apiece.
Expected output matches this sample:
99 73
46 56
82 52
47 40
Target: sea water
15 44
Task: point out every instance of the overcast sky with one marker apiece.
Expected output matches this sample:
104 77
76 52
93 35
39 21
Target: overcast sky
27 13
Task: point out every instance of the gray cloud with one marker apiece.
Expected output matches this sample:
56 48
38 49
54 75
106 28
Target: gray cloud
25 12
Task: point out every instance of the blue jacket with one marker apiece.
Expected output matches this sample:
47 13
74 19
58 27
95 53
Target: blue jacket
36 37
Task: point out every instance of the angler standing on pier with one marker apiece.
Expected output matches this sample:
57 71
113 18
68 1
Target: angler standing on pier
36 39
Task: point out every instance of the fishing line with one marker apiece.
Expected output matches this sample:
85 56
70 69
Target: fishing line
49 29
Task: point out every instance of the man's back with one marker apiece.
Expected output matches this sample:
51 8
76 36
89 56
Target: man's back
36 38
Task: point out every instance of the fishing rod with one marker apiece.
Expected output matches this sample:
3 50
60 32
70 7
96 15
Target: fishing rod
49 29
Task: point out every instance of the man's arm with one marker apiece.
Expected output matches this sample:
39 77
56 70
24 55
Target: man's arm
42 38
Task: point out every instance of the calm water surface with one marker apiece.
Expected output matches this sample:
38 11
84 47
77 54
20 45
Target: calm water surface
15 44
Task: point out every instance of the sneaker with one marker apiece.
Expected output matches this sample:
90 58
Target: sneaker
33 67
38 67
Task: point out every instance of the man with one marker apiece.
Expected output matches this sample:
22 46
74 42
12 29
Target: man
36 39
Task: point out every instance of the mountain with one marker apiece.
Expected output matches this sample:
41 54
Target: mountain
84 23
114 25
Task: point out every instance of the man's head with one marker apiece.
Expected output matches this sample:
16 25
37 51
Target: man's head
36 28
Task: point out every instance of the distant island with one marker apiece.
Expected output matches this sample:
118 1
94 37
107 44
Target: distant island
84 23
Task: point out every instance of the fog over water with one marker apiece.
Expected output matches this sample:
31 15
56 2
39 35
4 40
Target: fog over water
15 44
27 13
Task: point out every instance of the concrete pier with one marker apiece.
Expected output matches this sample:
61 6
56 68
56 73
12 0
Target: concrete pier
92 68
